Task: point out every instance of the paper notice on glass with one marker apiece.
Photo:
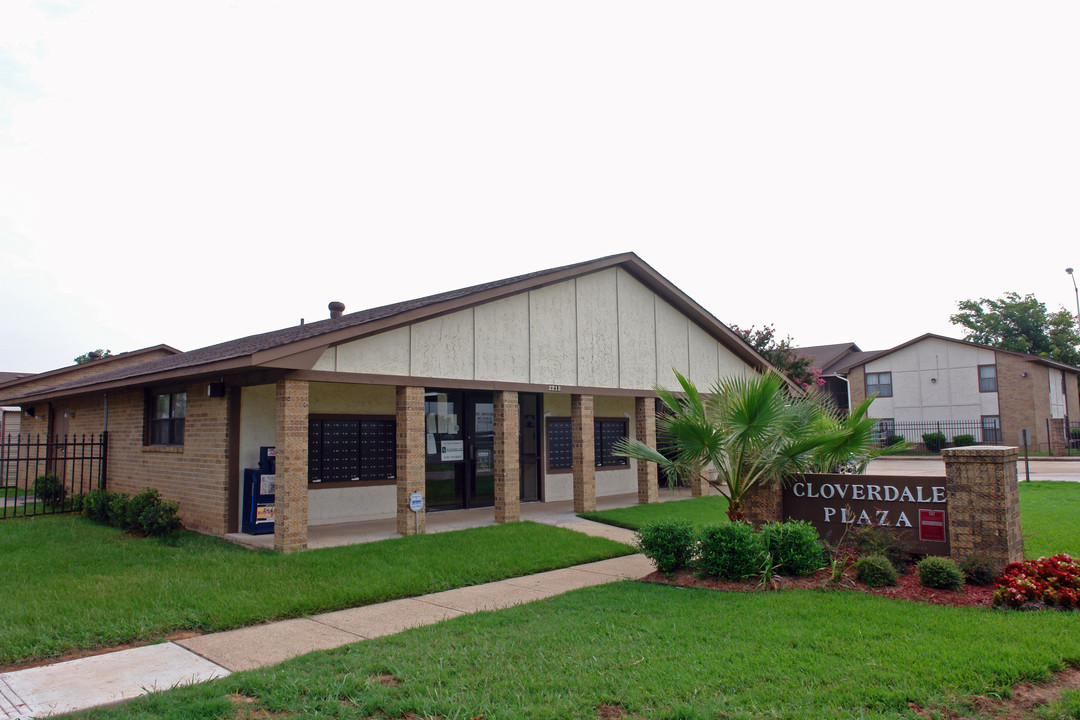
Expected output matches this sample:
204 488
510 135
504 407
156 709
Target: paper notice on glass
453 450
431 449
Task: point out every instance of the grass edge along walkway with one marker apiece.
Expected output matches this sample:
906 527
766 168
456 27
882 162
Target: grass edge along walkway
72 585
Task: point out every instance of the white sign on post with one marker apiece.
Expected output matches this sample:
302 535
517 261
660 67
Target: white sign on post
416 502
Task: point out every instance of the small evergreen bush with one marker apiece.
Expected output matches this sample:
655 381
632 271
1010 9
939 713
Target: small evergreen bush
795 547
875 571
154 516
118 511
50 490
96 505
978 570
940 573
732 551
77 501
893 440
935 441
963 440
670 544
869 540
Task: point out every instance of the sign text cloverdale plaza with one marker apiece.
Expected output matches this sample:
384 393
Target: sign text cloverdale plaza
915 507
868 493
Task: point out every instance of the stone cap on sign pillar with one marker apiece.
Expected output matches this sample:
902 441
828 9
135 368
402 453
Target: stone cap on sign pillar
979 453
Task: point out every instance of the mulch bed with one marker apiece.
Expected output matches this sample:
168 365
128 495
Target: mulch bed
907 587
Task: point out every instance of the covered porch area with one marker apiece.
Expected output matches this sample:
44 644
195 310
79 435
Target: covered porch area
561 514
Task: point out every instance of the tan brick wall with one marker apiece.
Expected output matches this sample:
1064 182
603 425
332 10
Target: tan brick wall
645 431
584 452
507 470
857 385
1072 397
764 502
411 460
1059 445
1023 402
983 504
195 475
78 372
291 485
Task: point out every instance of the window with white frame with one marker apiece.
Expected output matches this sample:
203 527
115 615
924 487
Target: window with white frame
879 383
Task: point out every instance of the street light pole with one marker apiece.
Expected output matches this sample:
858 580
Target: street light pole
1077 292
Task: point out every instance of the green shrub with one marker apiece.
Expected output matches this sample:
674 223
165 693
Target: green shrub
668 543
154 516
935 441
963 440
96 505
940 573
77 501
50 490
869 540
118 511
978 570
795 547
732 551
893 440
875 571
1074 433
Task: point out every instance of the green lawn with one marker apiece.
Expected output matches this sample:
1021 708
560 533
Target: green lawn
69 584
1050 518
700 511
655 651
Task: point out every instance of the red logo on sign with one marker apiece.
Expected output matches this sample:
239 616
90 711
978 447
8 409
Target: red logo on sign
931 525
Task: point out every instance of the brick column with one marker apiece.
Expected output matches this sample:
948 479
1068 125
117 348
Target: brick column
507 467
764 502
1059 443
584 452
645 426
983 510
698 486
291 490
411 460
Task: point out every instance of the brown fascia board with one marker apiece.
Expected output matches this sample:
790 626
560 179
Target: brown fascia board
100 361
188 373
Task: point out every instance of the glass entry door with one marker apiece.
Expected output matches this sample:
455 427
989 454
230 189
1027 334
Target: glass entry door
460 438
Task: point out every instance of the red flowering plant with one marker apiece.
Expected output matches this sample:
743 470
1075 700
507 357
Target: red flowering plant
1053 581
782 354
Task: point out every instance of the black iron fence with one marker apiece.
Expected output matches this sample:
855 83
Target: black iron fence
1072 436
40 475
933 435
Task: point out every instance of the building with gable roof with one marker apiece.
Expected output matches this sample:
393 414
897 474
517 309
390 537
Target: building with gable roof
501 393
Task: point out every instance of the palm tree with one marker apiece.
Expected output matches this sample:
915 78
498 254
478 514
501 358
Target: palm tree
748 429
854 443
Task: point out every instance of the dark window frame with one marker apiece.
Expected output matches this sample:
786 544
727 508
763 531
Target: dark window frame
172 426
996 428
877 384
985 388
360 456
598 457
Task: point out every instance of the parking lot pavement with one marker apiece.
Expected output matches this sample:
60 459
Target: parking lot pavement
1067 470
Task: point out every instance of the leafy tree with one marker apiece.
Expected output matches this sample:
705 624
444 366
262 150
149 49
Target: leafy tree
782 355
86 357
1022 324
749 429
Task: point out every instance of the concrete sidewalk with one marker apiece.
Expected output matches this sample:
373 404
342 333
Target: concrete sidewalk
113 677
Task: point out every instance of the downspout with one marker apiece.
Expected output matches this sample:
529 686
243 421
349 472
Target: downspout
106 428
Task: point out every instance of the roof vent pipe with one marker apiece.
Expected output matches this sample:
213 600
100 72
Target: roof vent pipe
336 309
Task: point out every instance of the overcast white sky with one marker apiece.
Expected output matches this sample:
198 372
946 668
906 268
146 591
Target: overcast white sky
192 172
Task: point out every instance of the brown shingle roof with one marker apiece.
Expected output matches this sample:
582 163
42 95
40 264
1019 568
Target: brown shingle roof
823 357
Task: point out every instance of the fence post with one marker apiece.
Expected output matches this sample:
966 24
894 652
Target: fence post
983 504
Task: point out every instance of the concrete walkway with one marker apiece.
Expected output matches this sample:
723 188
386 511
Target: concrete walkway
113 677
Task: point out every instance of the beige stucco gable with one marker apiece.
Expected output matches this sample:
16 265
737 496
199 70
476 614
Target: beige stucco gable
602 330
